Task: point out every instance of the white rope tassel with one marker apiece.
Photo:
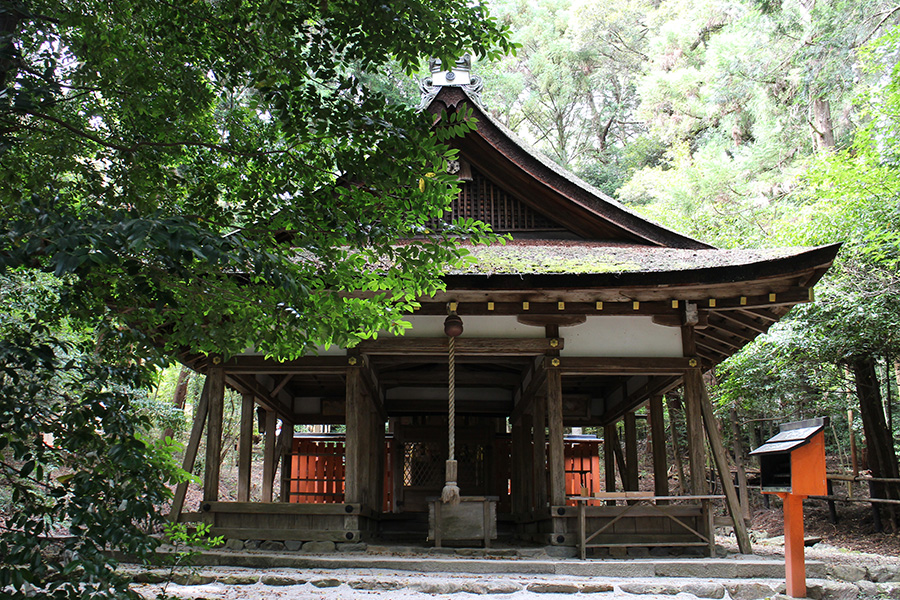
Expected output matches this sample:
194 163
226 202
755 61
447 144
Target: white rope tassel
450 493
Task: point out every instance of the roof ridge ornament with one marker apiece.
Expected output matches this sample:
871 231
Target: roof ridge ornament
459 76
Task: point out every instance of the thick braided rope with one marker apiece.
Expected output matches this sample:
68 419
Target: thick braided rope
451 425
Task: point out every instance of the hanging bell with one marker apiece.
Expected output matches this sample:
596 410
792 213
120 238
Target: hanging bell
453 325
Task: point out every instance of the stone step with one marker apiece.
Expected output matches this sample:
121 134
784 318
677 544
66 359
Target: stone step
738 567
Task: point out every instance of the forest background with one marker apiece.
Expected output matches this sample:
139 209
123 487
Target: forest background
740 122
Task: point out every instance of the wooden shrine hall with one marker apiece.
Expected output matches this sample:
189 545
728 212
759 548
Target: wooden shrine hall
589 314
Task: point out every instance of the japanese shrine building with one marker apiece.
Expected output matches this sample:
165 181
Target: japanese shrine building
590 313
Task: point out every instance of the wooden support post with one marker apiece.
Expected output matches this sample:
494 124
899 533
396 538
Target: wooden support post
190 453
676 446
696 443
353 482
539 452
557 466
718 452
287 443
397 464
376 461
214 430
526 462
609 459
245 447
658 438
517 474
739 463
269 456
631 478
794 559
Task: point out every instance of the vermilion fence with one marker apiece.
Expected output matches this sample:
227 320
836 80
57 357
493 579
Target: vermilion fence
317 469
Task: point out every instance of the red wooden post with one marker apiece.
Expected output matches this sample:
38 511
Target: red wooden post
794 559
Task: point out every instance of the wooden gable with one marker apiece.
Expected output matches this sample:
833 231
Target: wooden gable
517 190
481 198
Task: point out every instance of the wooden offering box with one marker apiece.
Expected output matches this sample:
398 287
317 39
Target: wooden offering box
793 462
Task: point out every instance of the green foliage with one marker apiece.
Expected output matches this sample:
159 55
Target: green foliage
187 541
209 176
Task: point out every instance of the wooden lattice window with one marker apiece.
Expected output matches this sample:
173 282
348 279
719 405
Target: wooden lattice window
482 200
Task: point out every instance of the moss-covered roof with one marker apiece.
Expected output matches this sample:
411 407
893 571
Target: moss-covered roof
565 257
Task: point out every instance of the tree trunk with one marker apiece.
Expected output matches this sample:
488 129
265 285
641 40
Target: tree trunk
823 128
180 395
879 441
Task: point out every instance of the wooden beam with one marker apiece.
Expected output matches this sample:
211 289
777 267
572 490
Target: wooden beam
533 382
312 365
713 334
190 452
464 346
284 381
537 310
619 365
376 393
245 385
214 431
245 447
658 439
718 451
268 477
464 377
743 320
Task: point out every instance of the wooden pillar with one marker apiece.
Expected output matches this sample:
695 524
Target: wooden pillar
269 456
376 462
539 452
526 458
609 456
676 446
696 443
739 463
396 464
287 446
190 453
658 438
556 458
632 474
353 482
516 467
214 430
718 452
245 447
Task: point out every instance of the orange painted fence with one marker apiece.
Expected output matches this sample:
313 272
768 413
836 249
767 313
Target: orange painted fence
317 469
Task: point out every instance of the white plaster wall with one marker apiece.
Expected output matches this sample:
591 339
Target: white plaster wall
598 336
621 336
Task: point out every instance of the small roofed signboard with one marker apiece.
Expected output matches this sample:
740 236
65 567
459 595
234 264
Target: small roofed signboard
793 461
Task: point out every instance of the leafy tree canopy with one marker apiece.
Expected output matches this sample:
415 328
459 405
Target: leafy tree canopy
196 175
156 150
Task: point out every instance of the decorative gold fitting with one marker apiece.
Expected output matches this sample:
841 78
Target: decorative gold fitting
693 362
636 305
712 302
525 306
743 300
674 303
554 343
599 306
490 306
555 362
771 297
452 306
351 361
217 360
561 305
